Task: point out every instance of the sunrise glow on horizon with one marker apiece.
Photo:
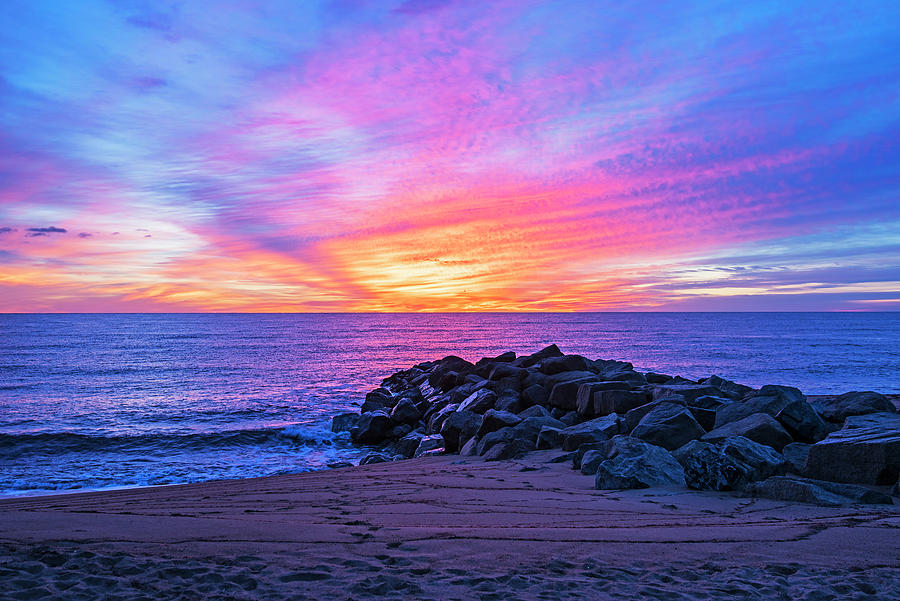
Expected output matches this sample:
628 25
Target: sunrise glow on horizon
449 156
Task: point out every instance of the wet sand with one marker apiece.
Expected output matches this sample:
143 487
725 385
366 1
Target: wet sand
441 528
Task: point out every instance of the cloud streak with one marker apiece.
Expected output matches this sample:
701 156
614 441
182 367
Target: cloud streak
399 156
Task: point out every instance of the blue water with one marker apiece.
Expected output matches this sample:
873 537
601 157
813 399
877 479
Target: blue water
98 401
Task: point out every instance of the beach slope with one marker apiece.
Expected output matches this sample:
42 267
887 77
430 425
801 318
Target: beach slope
441 527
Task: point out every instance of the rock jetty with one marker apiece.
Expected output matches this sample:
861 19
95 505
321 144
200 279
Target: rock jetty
629 429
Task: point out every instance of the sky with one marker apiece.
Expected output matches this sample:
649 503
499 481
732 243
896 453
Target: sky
436 155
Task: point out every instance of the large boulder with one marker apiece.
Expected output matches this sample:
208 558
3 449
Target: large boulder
509 400
494 420
688 392
618 401
595 430
372 428
796 454
732 390
759 427
459 428
492 438
436 420
555 365
838 408
865 450
535 395
407 445
549 438
730 464
534 411
534 358
816 492
584 403
479 401
770 399
528 429
668 425
344 422
564 394
377 399
432 442
447 372
634 417
632 463
802 422
405 412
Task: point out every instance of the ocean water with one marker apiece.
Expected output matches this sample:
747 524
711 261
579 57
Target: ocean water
101 401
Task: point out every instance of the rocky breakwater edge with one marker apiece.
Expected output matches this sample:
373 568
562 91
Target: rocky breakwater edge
632 430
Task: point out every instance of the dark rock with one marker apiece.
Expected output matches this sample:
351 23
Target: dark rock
494 420
557 413
866 450
438 378
373 458
458 428
728 465
479 401
555 365
508 400
535 395
549 438
839 408
534 411
377 399
633 463
544 353
492 438
344 422
669 426
470 449
796 455
634 417
584 402
508 449
405 412
802 422
710 402
505 370
528 429
570 419
408 444
372 428
618 401
432 442
464 391
507 357
339 464
704 417
565 394
579 453
771 400
816 492
654 378
400 431
437 419
759 427
591 461
450 380
630 376
688 392
732 390
595 430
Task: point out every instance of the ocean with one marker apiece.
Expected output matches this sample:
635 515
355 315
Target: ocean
109 401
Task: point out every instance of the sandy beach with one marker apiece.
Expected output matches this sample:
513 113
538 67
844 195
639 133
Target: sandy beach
441 528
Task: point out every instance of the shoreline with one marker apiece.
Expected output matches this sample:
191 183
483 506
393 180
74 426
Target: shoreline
432 526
